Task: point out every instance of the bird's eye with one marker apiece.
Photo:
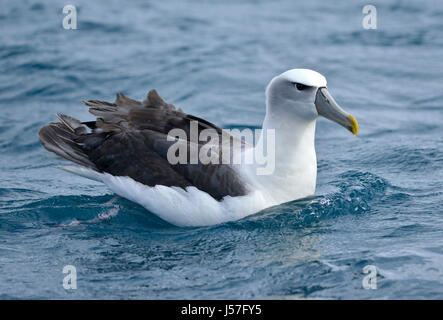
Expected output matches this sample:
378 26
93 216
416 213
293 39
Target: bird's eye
300 86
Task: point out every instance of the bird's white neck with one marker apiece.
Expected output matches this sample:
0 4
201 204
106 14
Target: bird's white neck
295 171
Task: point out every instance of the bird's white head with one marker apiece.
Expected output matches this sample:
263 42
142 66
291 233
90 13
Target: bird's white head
301 95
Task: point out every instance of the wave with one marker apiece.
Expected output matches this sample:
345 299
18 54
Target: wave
356 191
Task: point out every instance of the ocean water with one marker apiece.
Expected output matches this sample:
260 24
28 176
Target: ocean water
379 198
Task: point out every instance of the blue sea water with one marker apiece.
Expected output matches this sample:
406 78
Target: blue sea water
379 198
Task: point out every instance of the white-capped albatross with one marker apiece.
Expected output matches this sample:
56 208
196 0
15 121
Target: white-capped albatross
127 146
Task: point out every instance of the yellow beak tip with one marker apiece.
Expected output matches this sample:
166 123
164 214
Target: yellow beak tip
354 124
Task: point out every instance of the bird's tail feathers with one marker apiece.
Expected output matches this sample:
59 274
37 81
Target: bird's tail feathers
60 138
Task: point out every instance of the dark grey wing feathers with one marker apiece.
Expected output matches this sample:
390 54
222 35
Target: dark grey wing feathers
128 138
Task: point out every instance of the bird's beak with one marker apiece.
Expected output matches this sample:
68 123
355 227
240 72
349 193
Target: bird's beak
328 108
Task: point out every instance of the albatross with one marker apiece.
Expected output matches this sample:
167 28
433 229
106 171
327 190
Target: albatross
128 146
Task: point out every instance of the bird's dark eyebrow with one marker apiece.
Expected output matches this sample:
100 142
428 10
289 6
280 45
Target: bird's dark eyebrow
300 86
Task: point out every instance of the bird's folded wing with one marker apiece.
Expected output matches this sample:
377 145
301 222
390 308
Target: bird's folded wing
129 138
